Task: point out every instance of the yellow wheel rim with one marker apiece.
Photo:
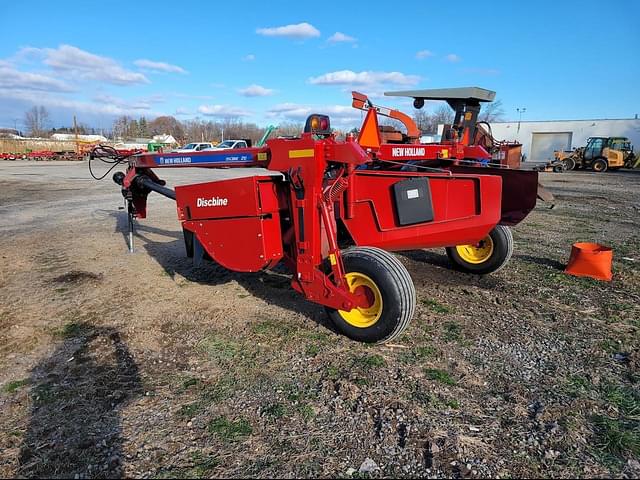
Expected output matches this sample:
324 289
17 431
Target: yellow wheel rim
363 317
476 254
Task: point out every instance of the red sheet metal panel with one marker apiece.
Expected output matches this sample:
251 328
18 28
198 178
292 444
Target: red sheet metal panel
519 190
238 197
465 207
237 221
243 244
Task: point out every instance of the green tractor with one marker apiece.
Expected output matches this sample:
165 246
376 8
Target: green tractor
155 147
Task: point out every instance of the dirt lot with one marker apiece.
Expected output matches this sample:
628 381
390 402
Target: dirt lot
117 364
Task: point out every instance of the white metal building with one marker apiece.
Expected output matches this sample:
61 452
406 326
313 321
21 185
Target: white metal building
540 139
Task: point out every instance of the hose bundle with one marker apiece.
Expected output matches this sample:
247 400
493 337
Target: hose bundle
109 155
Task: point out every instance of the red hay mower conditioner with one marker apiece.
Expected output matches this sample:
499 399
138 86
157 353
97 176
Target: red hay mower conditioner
330 211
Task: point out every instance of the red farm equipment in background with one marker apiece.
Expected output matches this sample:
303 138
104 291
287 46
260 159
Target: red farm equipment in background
328 210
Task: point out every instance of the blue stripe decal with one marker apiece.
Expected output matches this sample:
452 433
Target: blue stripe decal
218 158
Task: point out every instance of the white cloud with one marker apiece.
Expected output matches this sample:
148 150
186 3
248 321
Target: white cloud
75 62
222 111
339 114
341 37
158 66
119 102
182 111
29 54
13 79
256 91
249 58
340 111
289 110
81 107
422 54
453 58
299 31
349 77
145 103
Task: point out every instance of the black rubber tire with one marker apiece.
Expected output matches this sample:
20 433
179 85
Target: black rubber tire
396 288
599 165
569 164
502 251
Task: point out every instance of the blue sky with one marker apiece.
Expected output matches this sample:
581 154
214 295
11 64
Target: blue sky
270 62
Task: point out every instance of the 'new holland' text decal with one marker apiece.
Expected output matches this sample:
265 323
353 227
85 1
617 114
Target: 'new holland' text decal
216 158
408 151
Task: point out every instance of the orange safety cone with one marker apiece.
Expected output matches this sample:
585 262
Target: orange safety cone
590 260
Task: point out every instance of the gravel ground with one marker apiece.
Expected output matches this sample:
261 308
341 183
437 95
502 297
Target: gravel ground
115 364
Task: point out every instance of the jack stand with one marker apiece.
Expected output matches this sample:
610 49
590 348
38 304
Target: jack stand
131 216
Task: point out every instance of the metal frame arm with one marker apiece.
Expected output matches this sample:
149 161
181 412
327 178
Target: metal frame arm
362 102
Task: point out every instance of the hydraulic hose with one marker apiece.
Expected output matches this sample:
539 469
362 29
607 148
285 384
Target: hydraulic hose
143 182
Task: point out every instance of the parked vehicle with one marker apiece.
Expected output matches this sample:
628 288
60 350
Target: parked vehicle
600 154
229 144
194 147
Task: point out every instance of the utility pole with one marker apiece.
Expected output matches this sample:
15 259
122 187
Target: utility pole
520 111
75 129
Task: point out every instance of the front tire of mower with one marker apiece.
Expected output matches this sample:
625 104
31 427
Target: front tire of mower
387 284
491 255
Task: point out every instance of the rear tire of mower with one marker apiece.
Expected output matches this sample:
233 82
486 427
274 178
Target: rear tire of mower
396 289
502 250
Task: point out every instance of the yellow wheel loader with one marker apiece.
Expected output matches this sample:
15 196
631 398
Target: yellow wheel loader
600 154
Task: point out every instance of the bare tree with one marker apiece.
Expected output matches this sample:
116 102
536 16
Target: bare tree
423 121
167 124
493 112
428 122
198 130
290 129
37 121
444 114
121 127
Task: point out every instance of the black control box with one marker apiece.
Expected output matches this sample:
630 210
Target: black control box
413 201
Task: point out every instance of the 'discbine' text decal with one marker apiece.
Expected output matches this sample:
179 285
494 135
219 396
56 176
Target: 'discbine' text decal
212 202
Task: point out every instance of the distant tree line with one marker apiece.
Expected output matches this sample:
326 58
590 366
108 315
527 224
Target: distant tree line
428 122
195 130
82 130
37 122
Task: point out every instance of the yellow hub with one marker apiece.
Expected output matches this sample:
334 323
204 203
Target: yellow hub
479 253
363 317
